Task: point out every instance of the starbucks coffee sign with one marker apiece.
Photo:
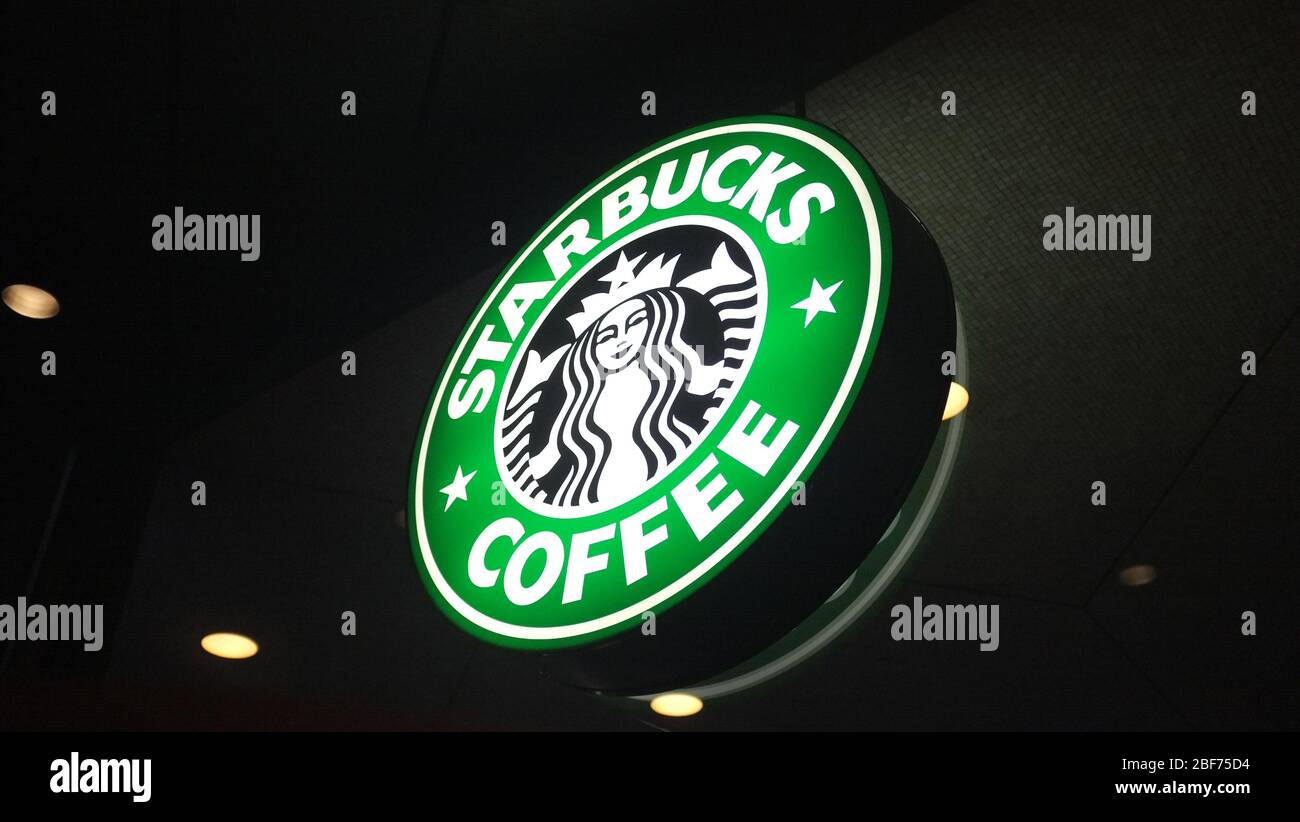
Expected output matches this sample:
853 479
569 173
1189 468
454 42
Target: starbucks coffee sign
649 385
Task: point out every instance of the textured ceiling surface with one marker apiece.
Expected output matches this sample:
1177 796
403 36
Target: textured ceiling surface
1083 367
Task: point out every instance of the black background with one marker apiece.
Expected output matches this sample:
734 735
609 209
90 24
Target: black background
375 234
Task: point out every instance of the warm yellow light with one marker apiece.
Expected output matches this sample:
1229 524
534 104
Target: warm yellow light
229 646
30 301
1136 575
676 705
958 397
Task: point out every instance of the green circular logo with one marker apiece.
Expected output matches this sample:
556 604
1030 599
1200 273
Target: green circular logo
648 381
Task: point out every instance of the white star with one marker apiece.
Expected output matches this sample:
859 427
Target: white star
623 273
818 301
456 490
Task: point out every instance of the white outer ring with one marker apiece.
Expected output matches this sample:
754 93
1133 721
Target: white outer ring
496 626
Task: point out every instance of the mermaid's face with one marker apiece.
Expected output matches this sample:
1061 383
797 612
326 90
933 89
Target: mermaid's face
621 334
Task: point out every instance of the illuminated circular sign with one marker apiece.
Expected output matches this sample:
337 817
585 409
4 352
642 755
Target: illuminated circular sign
644 398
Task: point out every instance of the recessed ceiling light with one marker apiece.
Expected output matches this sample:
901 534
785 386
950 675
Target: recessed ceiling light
30 301
676 704
1135 575
958 397
229 646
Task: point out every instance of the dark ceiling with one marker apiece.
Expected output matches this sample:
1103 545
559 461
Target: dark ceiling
1083 367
